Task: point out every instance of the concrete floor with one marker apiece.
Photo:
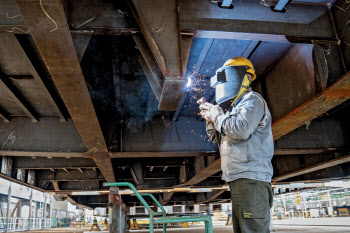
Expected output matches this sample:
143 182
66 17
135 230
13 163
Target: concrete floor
321 225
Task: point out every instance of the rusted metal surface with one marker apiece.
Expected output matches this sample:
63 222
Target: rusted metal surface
159 154
198 164
4 116
318 105
52 168
186 44
20 182
322 68
16 29
9 44
340 12
166 198
208 20
160 29
15 96
55 185
81 41
6 166
164 40
179 107
66 74
14 137
290 82
151 63
103 161
45 154
302 151
316 167
151 76
173 90
212 196
213 168
278 151
182 176
21 174
31 177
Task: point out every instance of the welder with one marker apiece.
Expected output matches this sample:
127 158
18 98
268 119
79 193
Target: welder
245 142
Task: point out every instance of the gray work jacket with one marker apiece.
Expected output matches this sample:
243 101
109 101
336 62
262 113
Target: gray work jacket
245 140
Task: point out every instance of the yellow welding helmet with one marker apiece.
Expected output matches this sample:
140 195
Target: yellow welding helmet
242 61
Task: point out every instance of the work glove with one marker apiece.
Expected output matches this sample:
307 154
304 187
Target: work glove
210 111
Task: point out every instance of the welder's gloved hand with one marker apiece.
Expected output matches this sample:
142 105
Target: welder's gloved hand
210 111
203 110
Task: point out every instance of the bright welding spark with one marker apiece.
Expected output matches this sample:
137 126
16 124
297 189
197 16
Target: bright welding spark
189 82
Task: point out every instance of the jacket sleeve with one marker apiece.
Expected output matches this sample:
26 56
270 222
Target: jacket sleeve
243 121
212 133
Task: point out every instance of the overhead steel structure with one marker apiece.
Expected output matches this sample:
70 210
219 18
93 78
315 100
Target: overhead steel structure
96 91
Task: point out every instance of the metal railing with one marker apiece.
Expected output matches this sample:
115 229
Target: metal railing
163 220
24 224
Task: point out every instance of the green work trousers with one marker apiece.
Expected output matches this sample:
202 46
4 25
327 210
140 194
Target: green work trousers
251 204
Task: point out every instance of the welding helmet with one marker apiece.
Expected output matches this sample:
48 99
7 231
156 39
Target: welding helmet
233 79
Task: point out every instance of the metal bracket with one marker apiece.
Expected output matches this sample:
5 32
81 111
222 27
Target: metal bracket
226 4
280 7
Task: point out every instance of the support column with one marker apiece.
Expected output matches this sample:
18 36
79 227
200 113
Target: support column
50 213
117 215
30 210
44 210
8 209
210 209
330 204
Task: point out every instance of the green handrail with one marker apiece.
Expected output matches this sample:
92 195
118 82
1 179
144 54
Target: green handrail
132 187
155 201
163 220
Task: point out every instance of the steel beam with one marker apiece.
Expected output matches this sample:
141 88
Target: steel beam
151 76
323 102
320 166
15 96
155 77
120 155
252 21
249 18
213 168
211 196
162 33
166 198
253 45
179 107
67 74
160 154
10 42
52 168
20 182
4 116
81 41
45 154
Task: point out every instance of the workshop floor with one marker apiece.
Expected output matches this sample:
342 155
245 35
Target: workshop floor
328 225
